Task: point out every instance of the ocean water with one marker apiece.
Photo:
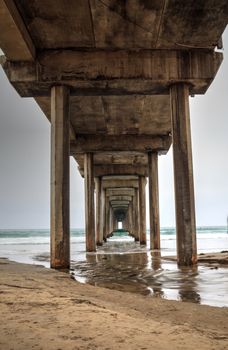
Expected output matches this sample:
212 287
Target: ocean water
124 265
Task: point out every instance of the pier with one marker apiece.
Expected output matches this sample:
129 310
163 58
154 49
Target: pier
114 80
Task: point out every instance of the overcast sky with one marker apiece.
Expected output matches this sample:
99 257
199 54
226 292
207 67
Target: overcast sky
25 161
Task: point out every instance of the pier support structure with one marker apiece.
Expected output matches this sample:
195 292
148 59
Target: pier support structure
135 204
103 209
89 203
115 223
129 215
153 200
110 226
183 175
60 157
105 86
142 210
99 236
106 222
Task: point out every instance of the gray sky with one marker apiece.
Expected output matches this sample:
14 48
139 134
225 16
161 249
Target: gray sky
25 161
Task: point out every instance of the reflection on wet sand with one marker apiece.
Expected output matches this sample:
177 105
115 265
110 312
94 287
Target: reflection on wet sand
188 286
128 267
154 258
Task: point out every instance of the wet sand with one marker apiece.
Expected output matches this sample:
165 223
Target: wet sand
44 309
124 265
215 259
128 267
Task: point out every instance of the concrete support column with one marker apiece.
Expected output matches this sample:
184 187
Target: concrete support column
183 175
103 193
130 215
135 204
126 222
110 226
142 210
89 203
99 236
60 156
153 200
115 224
106 222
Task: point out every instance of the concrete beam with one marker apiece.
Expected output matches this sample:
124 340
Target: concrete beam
120 206
111 143
118 169
120 182
118 72
124 191
15 39
116 158
120 198
116 202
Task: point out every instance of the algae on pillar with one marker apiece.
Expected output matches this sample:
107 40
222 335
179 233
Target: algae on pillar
183 175
60 157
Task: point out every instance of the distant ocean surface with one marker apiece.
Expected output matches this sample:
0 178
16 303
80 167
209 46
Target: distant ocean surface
25 245
124 265
41 236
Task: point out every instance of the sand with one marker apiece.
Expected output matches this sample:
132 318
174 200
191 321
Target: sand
46 309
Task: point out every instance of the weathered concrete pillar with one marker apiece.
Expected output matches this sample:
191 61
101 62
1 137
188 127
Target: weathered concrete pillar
142 210
125 223
115 224
103 215
136 214
183 175
89 203
60 156
153 200
106 222
99 236
130 216
110 221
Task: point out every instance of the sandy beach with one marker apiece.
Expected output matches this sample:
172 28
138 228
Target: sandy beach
47 309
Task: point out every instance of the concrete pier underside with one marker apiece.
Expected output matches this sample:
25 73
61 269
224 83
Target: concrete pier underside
114 79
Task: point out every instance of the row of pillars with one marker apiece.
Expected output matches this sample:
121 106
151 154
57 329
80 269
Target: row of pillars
183 178
131 213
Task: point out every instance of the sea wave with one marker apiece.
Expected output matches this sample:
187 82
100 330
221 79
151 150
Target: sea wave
78 235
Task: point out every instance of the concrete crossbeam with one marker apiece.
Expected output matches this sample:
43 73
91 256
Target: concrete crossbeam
119 72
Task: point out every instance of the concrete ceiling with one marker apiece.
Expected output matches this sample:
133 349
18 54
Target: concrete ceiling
119 59
106 24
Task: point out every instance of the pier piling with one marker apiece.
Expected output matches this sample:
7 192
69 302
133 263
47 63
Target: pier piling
60 157
183 175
